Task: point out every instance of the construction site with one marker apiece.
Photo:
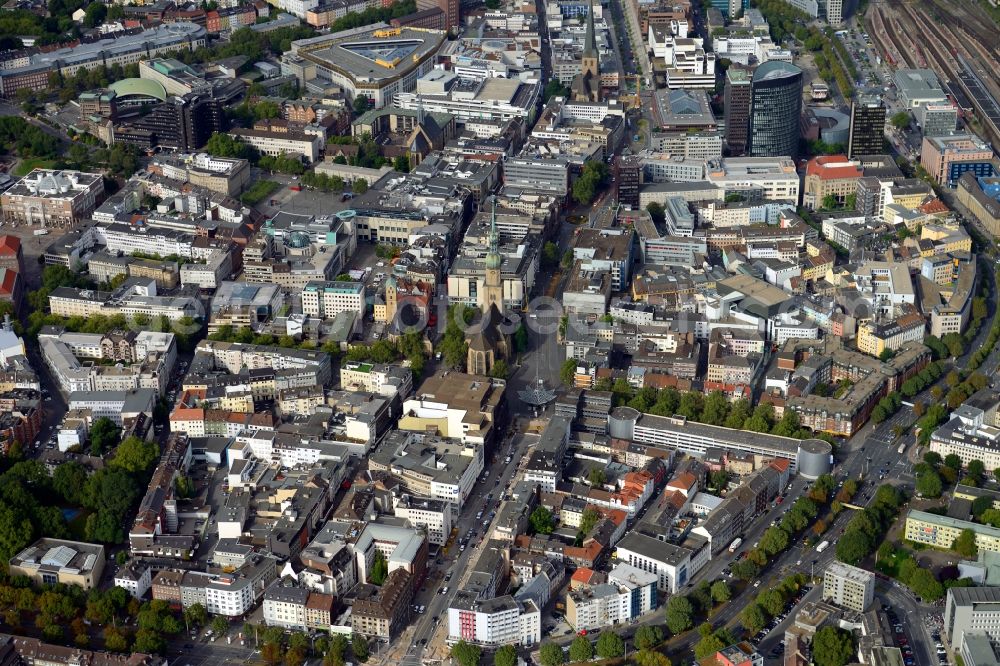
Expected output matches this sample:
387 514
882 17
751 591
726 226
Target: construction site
955 39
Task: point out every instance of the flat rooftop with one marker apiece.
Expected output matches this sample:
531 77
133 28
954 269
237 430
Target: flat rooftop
372 54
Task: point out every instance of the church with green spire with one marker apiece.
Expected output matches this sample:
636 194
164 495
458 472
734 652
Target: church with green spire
586 86
488 343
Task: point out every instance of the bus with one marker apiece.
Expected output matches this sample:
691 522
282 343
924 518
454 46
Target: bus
820 548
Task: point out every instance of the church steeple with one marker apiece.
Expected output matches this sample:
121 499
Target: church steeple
590 40
493 258
492 283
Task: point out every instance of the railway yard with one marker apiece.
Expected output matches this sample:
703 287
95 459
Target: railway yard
955 39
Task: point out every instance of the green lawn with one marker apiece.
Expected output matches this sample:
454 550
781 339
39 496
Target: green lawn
24 167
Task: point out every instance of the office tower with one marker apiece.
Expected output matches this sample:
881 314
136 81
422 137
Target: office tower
867 125
183 123
736 108
628 177
775 109
832 11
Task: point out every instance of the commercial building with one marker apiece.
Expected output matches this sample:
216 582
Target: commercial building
456 405
917 86
971 612
52 198
629 593
219 174
671 564
493 622
275 141
946 158
121 50
867 125
491 99
433 516
737 98
937 119
810 458
449 475
767 178
849 587
326 300
181 122
538 174
775 108
382 612
114 405
982 197
377 62
52 561
829 176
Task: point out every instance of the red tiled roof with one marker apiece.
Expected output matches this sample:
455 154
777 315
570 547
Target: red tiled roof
832 167
8 282
9 244
933 206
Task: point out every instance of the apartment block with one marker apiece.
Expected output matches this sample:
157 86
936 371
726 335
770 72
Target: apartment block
849 587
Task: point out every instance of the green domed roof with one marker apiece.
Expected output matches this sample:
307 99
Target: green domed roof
141 87
493 261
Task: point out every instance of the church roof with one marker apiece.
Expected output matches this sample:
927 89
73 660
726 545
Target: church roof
487 334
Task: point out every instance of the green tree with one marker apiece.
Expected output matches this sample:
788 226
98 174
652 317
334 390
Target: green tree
68 481
753 618
541 520
650 658
929 484
679 614
466 654
136 456
900 120
104 434
220 625
721 592
581 649
976 469
853 546
715 409
597 476
965 544
656 212
506 655
610 645
833 646
718 480
551 654
708 646
647 636
359 646
925 585
196 615
500 370
380 569
550 255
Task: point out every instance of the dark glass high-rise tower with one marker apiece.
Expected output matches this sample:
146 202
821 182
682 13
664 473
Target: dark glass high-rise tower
775 109
736 110
867 125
